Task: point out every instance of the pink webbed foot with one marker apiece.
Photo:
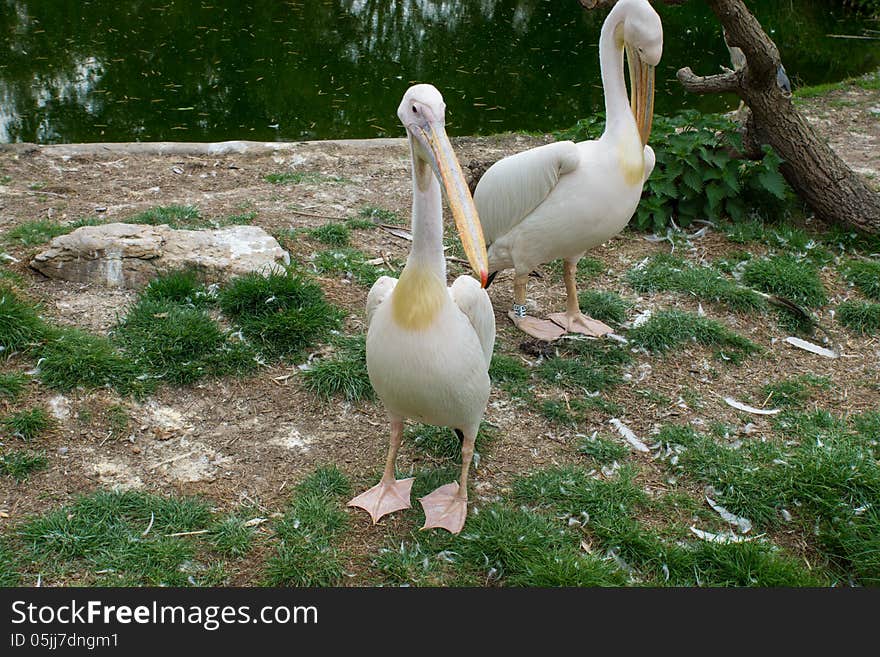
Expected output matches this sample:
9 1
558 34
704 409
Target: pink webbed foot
580 323
543 329
444 508
384 498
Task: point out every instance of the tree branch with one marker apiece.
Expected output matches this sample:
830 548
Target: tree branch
708 84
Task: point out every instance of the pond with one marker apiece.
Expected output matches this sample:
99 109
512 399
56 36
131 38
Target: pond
212 70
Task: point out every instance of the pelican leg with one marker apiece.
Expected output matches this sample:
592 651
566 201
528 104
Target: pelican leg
573 320
446 507
543 329
388 495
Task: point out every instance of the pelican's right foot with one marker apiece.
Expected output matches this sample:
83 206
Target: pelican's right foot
384 498
543 329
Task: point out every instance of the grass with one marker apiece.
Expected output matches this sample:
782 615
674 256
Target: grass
793 392
865 275
32 233
27 425
12 385
605 306
20 326
585 366
788 277
351 264
671 328
376 215
824 476
281 313
180 344
603 450
72 358
175 216
301 177
231 536
306 555
333 234
444 443
120 538
860 316
180 287
19 464
666 272
342 375
510 374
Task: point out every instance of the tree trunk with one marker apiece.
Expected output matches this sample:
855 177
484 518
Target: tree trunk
819 176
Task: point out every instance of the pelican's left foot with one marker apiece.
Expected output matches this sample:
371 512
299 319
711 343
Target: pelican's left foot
580 323
445 508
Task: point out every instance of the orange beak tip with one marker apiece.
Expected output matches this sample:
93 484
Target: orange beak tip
484 278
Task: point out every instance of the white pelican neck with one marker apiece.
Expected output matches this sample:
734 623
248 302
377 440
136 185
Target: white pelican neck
618 113
427 220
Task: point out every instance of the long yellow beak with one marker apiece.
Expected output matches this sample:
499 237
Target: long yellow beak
641 77
461 203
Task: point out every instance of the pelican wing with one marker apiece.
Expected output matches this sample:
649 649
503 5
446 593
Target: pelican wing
473 301
380 291
514 186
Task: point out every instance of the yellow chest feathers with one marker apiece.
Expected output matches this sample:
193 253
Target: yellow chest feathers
631 157
417 298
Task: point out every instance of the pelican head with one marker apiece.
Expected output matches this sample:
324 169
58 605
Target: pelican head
422 112
643 39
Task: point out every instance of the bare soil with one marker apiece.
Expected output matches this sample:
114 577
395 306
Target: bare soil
252 439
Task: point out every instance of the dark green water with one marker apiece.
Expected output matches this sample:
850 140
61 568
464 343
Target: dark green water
211 70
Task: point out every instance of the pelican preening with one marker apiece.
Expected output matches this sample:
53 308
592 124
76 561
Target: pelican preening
429 346
559 200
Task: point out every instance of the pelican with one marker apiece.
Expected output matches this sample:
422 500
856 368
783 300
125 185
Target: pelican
429 346
561 199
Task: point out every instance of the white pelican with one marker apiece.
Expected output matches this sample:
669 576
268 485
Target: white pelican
429 346
559 200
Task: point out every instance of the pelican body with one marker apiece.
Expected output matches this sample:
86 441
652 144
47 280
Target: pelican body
562 199
429 346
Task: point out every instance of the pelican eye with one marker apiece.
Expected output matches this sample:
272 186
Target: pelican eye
415 109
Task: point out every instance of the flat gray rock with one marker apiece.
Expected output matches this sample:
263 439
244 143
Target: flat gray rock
130 255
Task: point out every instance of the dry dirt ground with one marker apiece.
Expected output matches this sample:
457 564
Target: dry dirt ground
252 439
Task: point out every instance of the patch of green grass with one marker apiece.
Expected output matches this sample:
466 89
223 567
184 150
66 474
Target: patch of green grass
12 385
510 374
282 313
586 365
72 358
119 420
27 424
306 555
603 450
823 476
787 277
730 262
342 375
19 464
231 536
114 538
8 564
241 219
358 223
795 391
301 177
20 326
180 287
860 316
180 344
608 508
576 411
865 275
32 233
175 216
334 234
670 328
666 272
604 306
587 268
377 215
350 263
444 443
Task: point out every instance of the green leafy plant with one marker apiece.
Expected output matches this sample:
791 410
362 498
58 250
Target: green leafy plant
696 175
